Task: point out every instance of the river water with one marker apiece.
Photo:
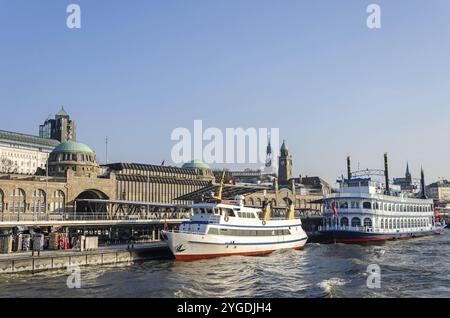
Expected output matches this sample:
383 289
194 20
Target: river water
409 268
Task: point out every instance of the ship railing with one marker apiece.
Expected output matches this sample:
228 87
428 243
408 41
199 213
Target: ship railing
347 228
187 232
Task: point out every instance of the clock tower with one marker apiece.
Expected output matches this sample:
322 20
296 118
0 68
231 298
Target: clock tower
284 165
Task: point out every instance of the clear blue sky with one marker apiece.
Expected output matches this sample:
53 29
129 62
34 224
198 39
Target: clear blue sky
138 69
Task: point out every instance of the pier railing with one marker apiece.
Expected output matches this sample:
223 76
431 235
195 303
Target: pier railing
60 217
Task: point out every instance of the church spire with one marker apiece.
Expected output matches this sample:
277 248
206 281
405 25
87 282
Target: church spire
408 176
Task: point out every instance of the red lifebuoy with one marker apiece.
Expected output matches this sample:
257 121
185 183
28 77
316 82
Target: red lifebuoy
227 218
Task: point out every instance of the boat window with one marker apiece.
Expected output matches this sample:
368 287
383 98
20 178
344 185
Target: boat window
213 230
367 205
235 232
344 222
368 222
209 211
229 212
382 224
343 205
216 211
356 222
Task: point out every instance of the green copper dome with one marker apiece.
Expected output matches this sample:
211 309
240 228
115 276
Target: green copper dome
196 164
72 146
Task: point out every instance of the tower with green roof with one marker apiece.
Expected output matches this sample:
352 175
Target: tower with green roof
61 128
284 165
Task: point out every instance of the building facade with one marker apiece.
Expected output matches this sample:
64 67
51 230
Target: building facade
158 184
439 191
74 175
24 154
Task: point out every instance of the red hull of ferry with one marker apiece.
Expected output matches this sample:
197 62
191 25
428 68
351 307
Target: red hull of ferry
208 256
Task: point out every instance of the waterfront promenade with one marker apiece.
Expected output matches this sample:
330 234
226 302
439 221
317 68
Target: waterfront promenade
63 259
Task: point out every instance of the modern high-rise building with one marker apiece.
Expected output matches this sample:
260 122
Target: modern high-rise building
62 128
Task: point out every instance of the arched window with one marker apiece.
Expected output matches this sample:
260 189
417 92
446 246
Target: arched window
1 200
343 205
344 221
368 222
38 201
367 205
17 201
356 222
58 202
258 202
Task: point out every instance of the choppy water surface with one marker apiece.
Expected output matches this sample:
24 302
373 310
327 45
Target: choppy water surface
410 268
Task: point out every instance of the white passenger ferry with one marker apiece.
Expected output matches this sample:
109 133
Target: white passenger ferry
225 228
367 210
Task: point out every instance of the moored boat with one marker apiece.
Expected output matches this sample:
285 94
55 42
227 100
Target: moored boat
216 230
366 210
225 228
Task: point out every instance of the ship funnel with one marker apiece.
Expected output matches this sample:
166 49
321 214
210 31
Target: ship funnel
422 183
349 169
386 174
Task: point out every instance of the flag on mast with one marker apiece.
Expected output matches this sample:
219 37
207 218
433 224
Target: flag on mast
334 209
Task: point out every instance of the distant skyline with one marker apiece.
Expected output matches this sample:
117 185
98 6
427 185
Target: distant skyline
312 69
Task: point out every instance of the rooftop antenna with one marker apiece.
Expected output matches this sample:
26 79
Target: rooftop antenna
106 145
